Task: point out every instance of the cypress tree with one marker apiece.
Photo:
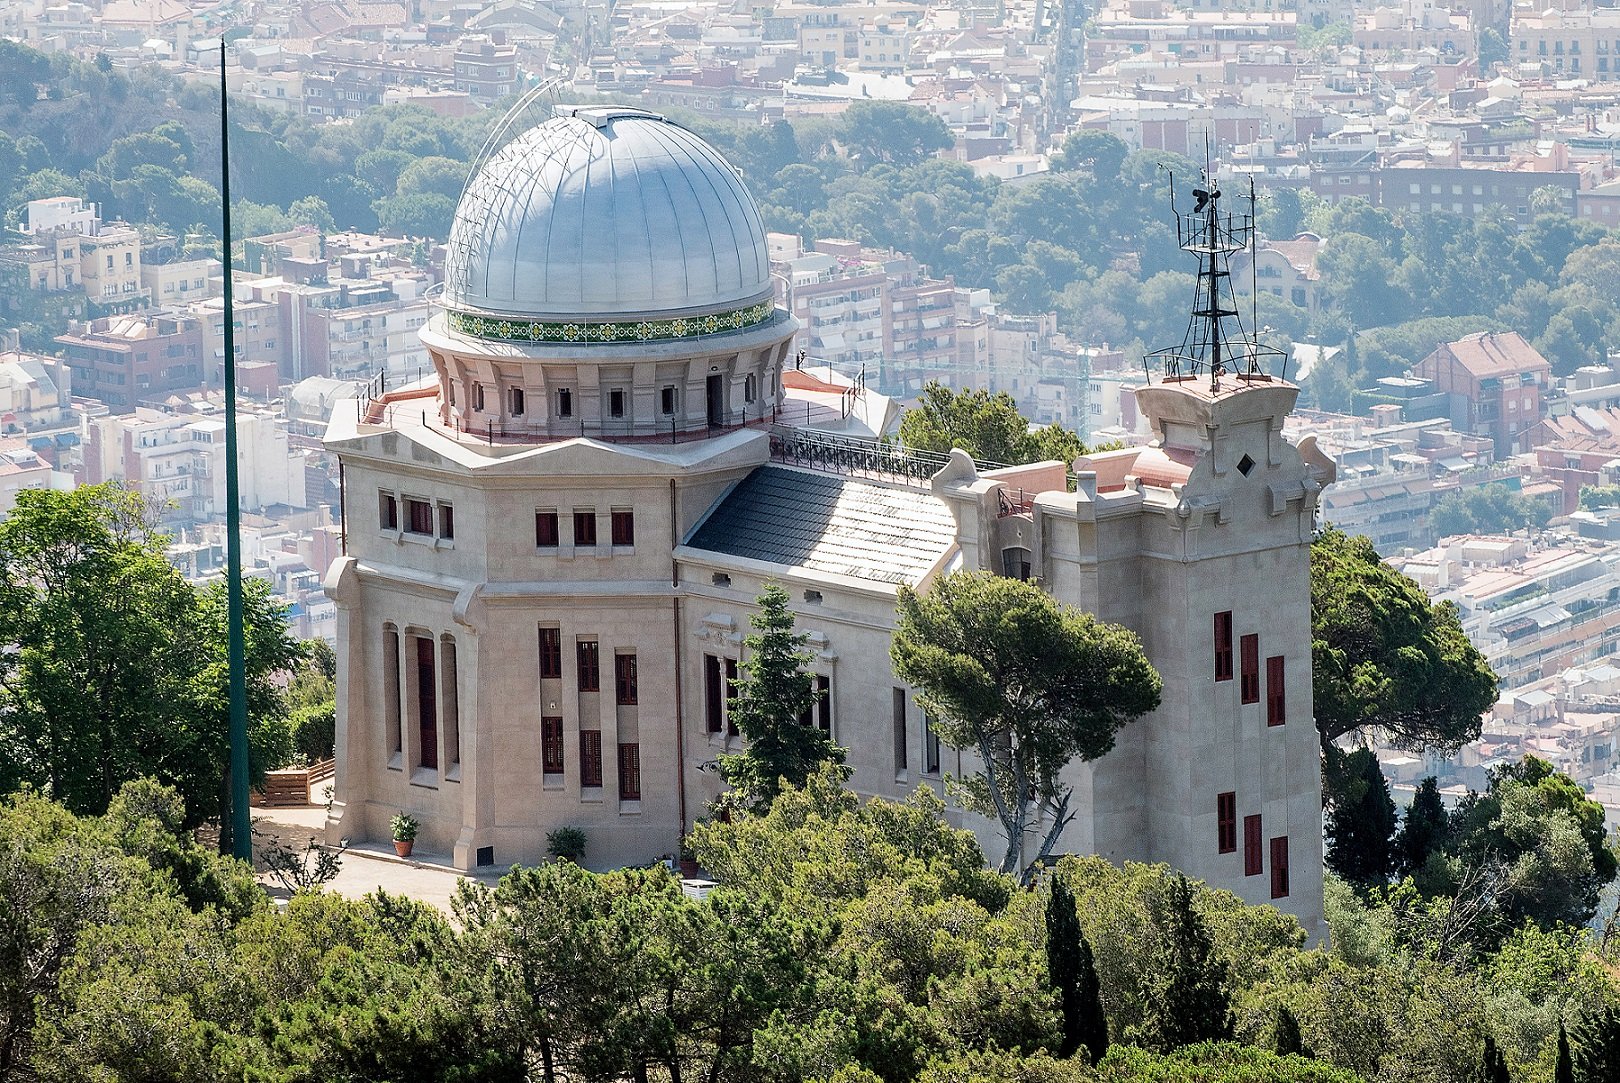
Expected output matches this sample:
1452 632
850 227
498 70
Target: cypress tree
1595 1045
1492 1065
1190 1003
1423 829
1072 974
1287 1040
1361 822
1563 1068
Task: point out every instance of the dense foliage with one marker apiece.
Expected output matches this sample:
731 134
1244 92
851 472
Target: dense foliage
988 427
1385 659
1027 685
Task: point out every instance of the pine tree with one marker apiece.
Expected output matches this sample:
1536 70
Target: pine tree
1190 1003
1563 1068
1072 974
1361 822
1423 829
771 701
1595 1045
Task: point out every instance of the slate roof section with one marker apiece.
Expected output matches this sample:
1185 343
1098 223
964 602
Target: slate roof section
842 526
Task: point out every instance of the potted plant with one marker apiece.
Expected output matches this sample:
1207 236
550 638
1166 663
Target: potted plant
567 844
404 827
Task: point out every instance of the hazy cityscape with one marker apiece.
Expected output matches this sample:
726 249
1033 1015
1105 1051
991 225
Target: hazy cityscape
1025 203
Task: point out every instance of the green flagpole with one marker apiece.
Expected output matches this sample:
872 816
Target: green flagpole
241 822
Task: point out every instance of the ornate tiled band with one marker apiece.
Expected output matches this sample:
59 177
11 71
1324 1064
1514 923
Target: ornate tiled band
492 327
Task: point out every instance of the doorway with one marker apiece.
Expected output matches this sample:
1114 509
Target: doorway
717 400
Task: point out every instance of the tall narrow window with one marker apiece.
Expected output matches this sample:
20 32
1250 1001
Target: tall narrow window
387 511
824 703
630 772
666 400
565 402
447 522
1279 867
623 524
624 679
517 402
449 699
1226 822
585 527
590 666
1276 695
478 397
899 722
590 757
1249 686
546 535
419 517
713 695
748 388
391 688
1252 857
550 654
731 695
930 746
427 710
1223 646
616 402
551 746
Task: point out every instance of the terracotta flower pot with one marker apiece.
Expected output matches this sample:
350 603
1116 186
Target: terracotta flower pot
402 847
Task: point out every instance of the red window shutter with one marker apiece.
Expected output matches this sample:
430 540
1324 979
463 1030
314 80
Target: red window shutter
590 757
713 696
1226 822
550 653
1250 685
1279 867
1223 646
545 529
731 696
1276 695
590 666
1252 857
630 772
624 671
551 746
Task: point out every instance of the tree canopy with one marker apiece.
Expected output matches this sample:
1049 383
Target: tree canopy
1025 683
1387 660
986 426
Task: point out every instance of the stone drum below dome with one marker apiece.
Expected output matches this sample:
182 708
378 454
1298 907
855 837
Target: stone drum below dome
602 217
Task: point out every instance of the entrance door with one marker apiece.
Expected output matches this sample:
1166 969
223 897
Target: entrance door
717 400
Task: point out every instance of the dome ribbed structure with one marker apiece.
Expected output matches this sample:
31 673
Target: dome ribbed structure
606 213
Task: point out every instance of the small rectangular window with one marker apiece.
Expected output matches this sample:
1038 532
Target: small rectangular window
478 397
1226 822
623 524
1252 857
546 535
387 511
616 403
420 517
551 746
748 388
590 666
447 522
550 654
1279 867
517 402
713 695
1249 686
630 772
1223 646
585 527
624 679
565 402
590 757
899 721
1276 692
666 401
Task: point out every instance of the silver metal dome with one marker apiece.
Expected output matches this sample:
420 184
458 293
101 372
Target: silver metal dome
606 213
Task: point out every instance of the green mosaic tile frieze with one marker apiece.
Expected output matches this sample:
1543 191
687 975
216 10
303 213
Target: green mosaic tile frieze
544 331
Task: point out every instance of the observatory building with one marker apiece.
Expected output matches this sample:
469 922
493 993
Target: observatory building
553 545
